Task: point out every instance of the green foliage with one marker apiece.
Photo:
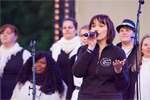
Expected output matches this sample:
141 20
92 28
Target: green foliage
34 20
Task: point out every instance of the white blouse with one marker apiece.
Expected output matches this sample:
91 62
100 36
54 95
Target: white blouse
144 80
22 92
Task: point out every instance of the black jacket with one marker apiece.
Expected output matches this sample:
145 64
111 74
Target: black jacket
129 93
99 79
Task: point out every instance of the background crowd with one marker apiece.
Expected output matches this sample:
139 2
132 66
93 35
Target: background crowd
78 67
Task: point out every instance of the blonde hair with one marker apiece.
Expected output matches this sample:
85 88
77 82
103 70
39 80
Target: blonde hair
140 53
86 26
140 48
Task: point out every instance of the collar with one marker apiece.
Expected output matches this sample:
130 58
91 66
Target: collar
107 47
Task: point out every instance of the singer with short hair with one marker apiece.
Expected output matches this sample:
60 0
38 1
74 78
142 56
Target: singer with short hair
48 78
12 58
126 32
102 65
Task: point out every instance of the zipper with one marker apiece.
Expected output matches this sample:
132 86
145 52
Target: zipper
97 67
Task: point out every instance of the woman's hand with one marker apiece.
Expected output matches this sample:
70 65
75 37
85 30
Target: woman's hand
118 65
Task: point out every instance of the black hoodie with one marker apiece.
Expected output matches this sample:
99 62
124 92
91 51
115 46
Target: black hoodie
99 78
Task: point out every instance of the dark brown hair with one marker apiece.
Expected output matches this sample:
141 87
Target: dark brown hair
12 27
105 20
73 21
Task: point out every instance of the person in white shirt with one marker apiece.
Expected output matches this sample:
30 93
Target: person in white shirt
144 70
48 78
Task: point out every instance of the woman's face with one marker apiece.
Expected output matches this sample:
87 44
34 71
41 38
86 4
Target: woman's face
68 30
8 37
40 66
125 34
146 48
101 29
84 40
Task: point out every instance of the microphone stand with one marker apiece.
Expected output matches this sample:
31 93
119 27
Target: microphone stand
135 44
0 87
32 44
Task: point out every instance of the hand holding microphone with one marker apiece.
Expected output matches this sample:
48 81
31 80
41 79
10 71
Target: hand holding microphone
91 39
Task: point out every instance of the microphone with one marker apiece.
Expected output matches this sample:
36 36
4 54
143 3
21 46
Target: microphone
32 43
141 1
90 34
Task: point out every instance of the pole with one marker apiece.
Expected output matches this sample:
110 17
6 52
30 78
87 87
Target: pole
135 44
32 44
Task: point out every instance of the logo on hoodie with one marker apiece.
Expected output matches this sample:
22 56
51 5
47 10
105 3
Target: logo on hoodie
105 62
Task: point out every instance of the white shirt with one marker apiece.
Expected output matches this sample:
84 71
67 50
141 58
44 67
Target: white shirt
22 92
144 80
127 51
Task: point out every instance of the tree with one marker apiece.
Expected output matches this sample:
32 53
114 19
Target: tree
34 20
